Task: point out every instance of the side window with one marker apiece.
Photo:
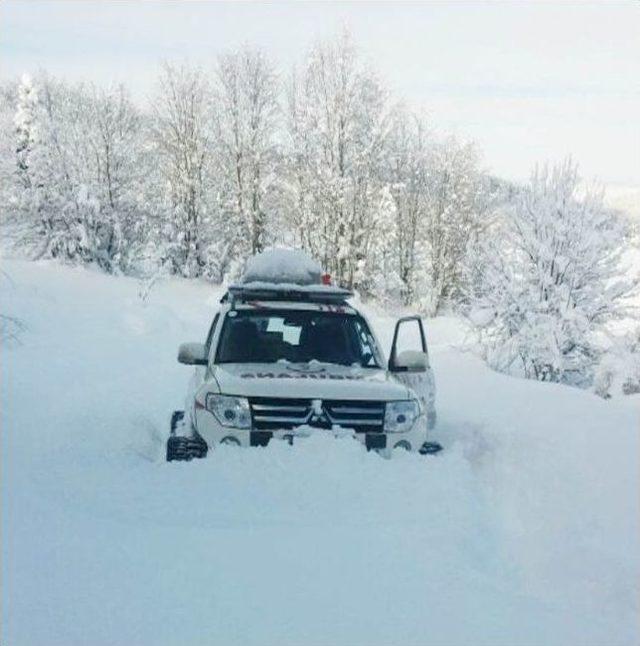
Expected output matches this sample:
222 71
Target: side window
212 331
366 344
409 335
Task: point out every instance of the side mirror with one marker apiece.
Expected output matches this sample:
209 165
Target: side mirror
193 354
411 361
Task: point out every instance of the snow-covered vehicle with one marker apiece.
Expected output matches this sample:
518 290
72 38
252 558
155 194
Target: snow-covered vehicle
287 355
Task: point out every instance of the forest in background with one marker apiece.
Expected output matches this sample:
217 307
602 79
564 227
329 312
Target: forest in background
225 162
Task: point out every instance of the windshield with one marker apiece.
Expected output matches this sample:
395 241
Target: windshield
267 336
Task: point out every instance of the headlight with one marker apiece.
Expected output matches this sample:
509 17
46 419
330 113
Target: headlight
400 416
230 411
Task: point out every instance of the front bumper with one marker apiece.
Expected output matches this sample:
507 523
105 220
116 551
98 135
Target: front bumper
214 433
262 438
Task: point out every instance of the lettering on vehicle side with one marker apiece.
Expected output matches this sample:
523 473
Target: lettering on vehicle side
286 375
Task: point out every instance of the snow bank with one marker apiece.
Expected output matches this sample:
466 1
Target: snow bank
524 531
277 266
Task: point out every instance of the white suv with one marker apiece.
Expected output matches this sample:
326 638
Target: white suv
283 360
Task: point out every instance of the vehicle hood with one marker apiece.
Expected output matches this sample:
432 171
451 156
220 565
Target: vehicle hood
307 381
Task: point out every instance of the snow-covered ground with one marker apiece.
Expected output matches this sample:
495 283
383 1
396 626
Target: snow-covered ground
524 531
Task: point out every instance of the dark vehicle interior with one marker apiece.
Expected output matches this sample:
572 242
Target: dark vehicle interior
296 336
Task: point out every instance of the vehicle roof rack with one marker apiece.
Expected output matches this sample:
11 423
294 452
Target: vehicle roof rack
328 294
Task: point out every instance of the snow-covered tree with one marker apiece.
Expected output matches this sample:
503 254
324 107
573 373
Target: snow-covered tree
550 280
52 169
246 120
26 127
451 218
338 124
78 171
407 172
437 188
182 139
379 271
618 372
8 94
119 172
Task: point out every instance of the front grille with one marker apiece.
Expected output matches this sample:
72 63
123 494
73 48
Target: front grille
271 413
363 416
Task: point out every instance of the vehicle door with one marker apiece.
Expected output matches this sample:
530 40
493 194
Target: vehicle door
409 363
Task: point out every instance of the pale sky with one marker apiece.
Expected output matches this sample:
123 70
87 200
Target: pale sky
529 81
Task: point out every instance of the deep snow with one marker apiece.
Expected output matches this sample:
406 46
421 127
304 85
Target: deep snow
524 531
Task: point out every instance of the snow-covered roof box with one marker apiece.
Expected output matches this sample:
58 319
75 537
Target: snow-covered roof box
285 274
278 266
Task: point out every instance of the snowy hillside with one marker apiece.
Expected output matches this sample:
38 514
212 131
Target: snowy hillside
625 199
523 531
